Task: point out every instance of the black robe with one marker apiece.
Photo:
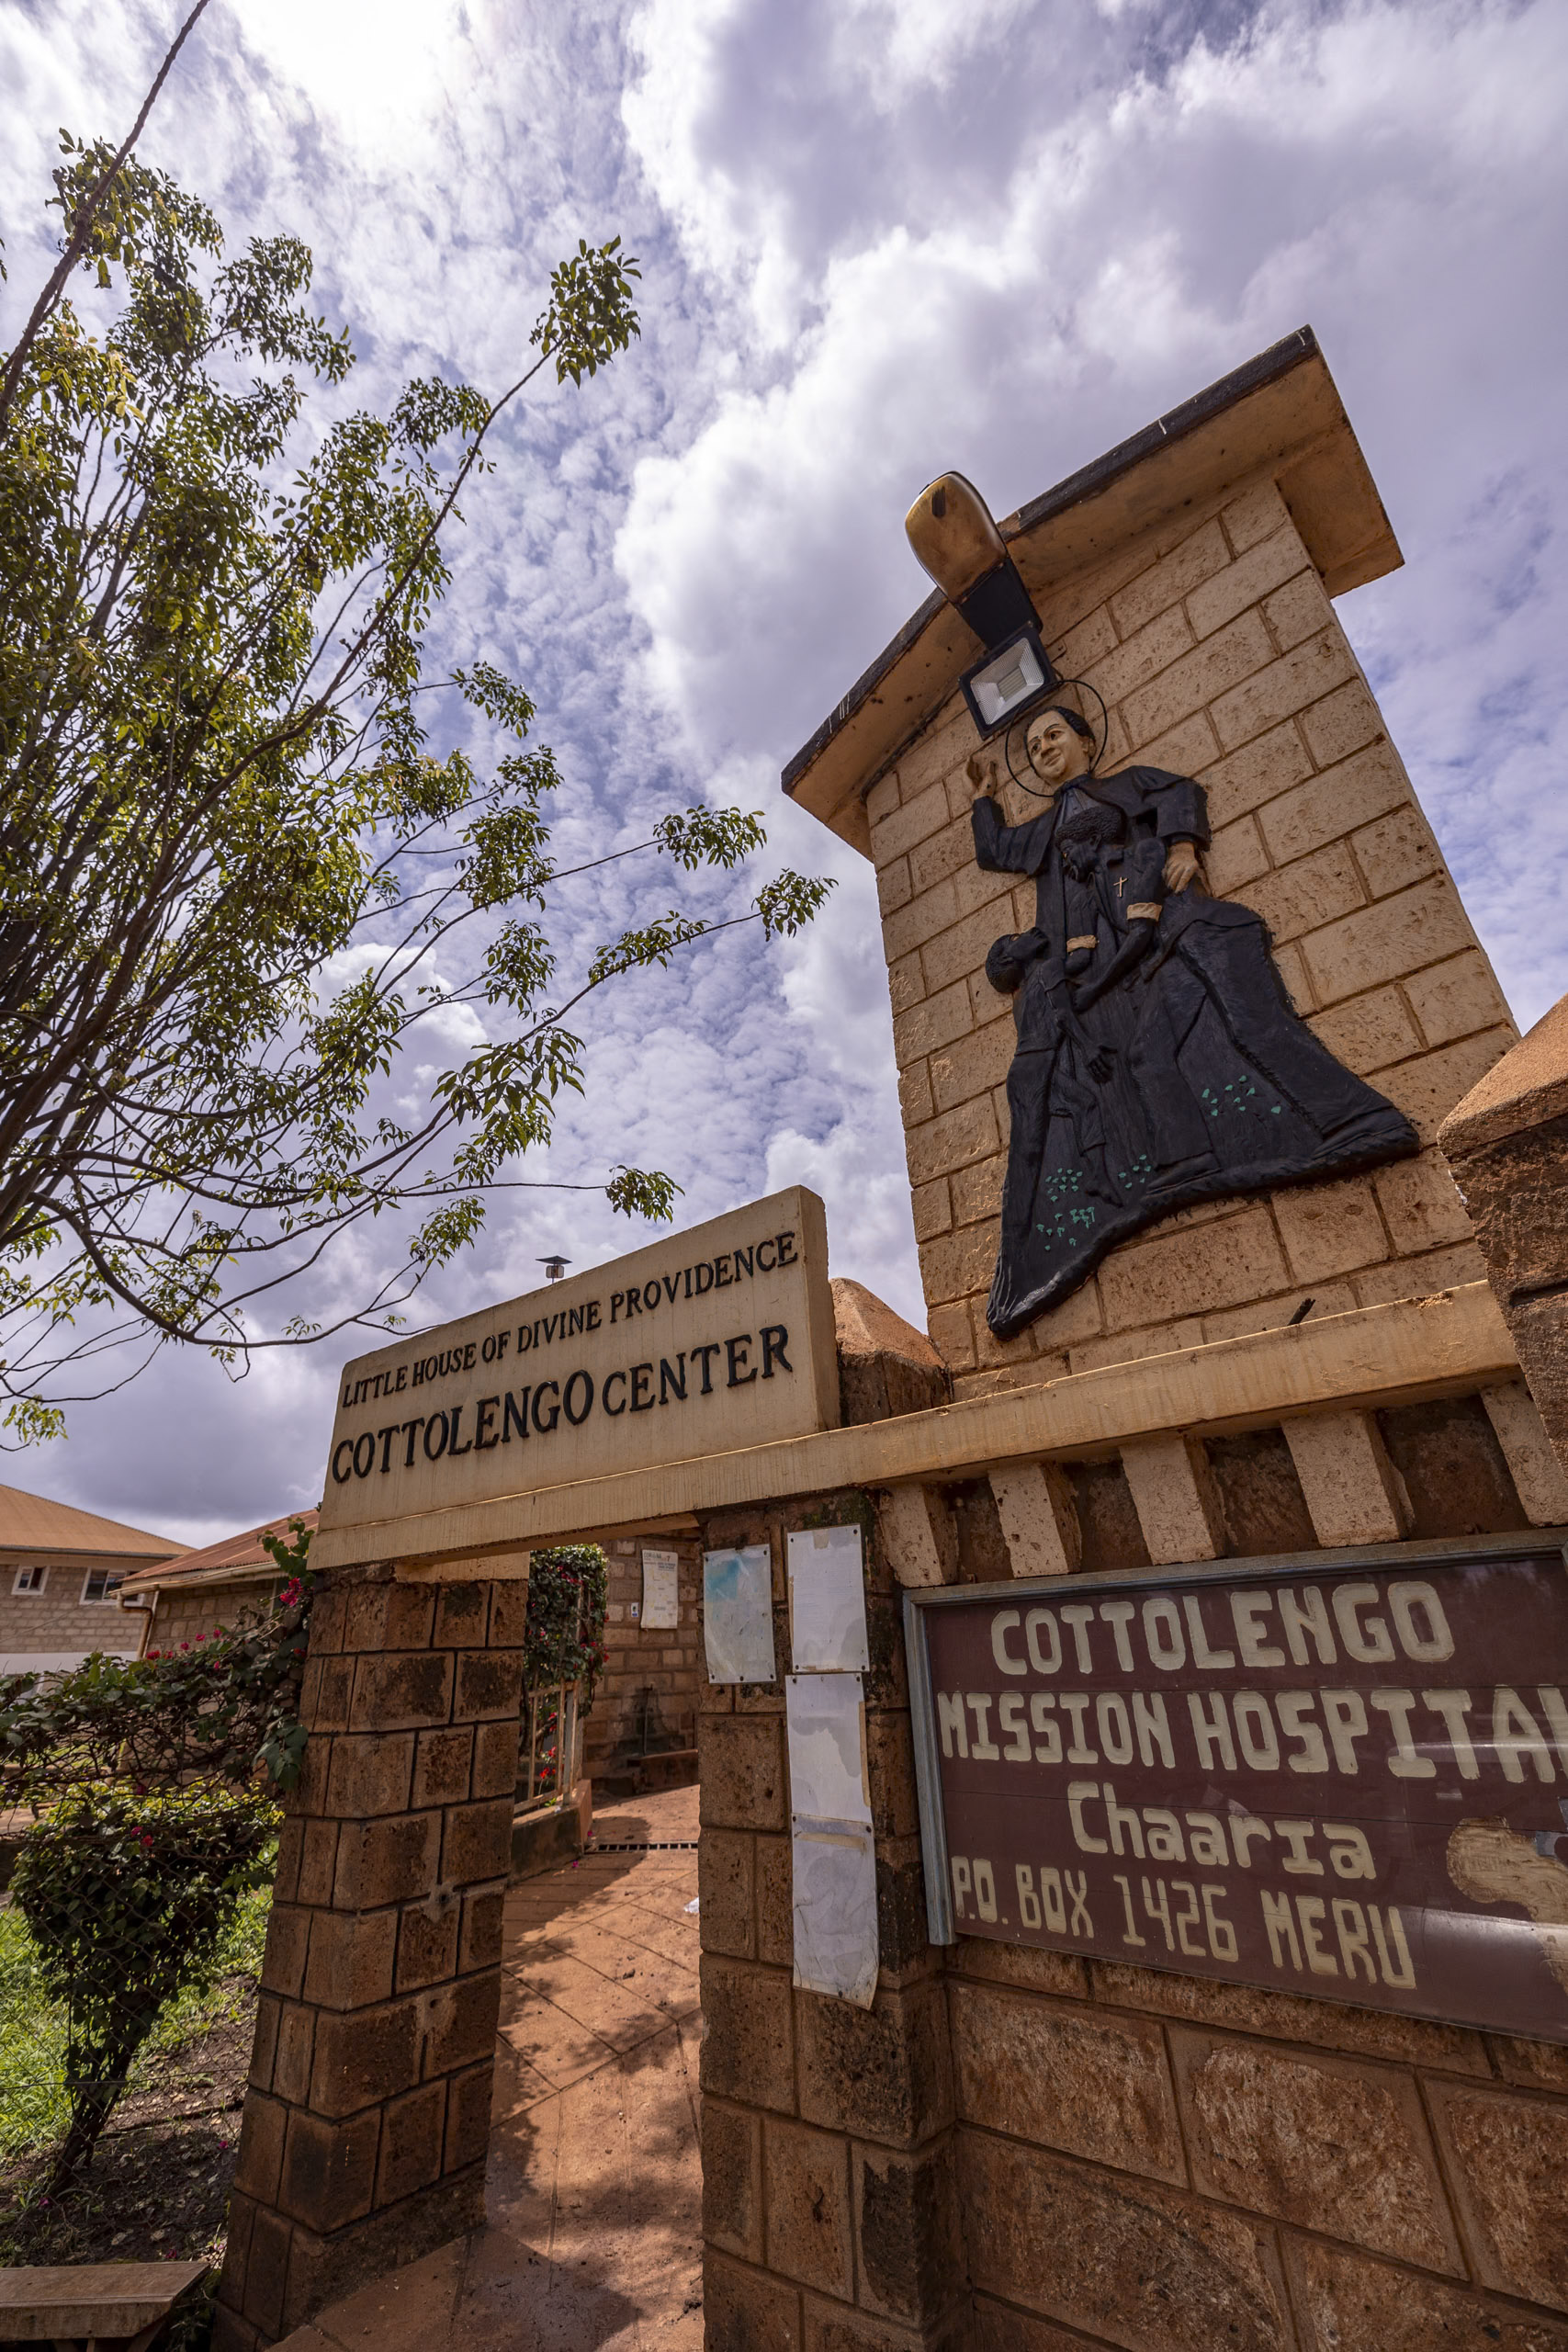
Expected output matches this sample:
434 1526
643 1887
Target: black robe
1190 1077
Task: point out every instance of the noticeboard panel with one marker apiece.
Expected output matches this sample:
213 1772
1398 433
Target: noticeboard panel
1346 1776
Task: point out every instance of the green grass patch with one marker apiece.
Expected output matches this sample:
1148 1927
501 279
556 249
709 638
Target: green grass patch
33 2103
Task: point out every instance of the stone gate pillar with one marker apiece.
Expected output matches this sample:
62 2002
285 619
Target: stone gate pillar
830 2208
367 2117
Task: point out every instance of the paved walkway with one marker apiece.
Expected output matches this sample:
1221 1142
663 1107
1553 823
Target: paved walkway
594 2190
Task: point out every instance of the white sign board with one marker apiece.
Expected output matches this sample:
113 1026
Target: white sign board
836 1939
738 1614
825 1725
713 1339
826 1601
661 1590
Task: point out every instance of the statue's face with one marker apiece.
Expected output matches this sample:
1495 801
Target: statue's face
1056 752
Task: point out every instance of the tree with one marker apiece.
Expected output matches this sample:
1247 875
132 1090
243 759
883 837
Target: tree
216 778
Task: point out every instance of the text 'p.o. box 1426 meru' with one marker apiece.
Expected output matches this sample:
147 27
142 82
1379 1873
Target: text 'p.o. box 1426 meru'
712 1340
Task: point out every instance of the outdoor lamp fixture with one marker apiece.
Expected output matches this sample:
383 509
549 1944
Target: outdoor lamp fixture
553 1268
955 538
1005 683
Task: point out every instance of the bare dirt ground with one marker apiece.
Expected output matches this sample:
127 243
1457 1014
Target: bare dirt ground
157 2187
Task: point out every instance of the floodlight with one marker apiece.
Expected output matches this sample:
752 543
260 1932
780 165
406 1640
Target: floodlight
1009 682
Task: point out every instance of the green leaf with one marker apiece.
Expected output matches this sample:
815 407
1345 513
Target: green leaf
257 868
590 316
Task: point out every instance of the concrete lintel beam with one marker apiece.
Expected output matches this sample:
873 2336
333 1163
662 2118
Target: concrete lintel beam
1446 1345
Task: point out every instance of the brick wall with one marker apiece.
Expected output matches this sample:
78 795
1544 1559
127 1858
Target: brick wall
1507 1144
669 1663
1158 2161
368 2118
1219 655
183 1615
57 1621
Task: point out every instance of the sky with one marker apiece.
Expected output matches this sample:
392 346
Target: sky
878 239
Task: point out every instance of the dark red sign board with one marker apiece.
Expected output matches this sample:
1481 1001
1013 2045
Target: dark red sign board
1348 1781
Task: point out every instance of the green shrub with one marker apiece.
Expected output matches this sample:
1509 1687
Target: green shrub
128 1897
154 1777
35 2107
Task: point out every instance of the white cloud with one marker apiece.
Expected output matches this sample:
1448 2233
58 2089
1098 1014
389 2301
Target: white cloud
880 237
380 70
1391 172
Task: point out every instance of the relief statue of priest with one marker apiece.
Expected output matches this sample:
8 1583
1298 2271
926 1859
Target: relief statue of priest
1159 1061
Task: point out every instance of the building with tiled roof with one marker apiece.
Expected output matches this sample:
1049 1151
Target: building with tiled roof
201 1590
62 1574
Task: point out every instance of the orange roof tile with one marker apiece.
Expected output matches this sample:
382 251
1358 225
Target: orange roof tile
241 1554
30 1523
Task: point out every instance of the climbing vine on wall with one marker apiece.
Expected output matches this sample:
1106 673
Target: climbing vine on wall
564 1638
222 1707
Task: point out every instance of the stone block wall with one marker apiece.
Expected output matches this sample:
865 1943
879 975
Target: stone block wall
638 1658
1219 655
1152 2161
1018 2151
368 2118
829 2190
57 1622
1507 1144
181 1616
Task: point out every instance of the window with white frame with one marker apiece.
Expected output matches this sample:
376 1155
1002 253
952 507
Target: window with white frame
30 1580
102 1584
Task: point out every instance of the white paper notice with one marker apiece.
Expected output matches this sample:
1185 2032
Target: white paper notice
836 1948
826 1601
824 1717
661 1590
738 1614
